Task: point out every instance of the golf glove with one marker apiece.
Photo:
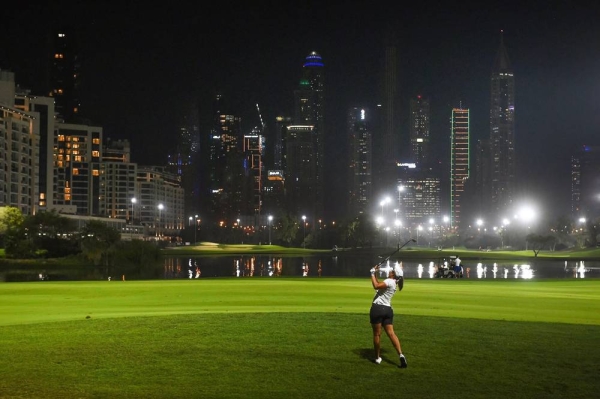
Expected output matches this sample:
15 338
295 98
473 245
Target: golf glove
373 270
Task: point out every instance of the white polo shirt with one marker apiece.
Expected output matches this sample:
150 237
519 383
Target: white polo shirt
383 296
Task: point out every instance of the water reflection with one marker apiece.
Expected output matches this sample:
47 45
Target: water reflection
327 266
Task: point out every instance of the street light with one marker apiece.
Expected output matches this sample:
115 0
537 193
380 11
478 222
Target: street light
431 223
385 201
195 228
133 201
160 208
270 220
400 190
304 238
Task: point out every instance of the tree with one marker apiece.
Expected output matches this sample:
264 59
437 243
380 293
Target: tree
17 244
289 229
538 242
52 233
98 243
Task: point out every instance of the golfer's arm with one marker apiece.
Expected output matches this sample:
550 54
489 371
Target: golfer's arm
376 284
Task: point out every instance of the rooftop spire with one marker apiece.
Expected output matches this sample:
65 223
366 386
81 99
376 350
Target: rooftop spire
501 63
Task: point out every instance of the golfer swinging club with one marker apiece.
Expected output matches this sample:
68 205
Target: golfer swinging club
382 314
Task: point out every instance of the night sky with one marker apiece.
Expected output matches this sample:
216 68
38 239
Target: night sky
144 67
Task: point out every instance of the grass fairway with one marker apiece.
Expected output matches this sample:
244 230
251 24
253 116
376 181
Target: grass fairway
298 338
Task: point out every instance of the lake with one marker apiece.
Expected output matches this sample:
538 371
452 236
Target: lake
333 266
267 266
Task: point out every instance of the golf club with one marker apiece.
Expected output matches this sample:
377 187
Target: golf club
392 254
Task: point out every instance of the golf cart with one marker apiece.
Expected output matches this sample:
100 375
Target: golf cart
451 268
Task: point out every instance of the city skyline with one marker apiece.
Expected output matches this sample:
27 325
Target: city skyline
147 67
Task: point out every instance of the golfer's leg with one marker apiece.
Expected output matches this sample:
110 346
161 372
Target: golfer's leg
377 339
389 330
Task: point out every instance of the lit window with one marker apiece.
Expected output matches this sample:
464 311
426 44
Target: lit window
95 172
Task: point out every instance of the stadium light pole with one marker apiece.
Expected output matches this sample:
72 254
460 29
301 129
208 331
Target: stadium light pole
270 220
304 237
133 201
160 208
195 228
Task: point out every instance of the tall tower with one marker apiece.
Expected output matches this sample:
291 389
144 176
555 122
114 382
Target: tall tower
360 156
309 104
502 132
419 130
388 139
459 158
64 80
300 172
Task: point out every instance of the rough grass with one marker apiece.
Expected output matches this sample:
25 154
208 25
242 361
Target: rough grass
297 338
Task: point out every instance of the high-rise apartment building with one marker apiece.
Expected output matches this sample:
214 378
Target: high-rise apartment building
43 107
309 108
419 130
301 171
19 157
418 197
160 205
254 149
459 162
386 135
64 80
76 167
184 157
360 156
281 124
585 183
226 178
118 191
502 133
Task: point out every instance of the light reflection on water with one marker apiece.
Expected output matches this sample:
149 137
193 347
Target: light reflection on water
327 266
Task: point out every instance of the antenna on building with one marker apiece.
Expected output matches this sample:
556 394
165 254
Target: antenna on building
259 115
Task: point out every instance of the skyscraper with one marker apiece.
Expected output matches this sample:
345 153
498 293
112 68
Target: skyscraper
309 107
459 161
585 183
387 137
64 78
502 133
301 192
360 156
419 130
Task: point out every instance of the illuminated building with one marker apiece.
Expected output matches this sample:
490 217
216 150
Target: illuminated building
585 183
19 158
360 160
117 181
502 133
158 186
459 161
309 108
301 180
419 130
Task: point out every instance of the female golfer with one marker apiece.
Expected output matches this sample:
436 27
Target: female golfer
382 314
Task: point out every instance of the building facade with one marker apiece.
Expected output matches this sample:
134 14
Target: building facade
502 134
419 130
360 157
459 162
309 108
20 154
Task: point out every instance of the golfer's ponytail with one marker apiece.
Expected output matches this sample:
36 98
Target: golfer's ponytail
399 283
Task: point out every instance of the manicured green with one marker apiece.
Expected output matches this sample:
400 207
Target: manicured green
297 338
408 252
